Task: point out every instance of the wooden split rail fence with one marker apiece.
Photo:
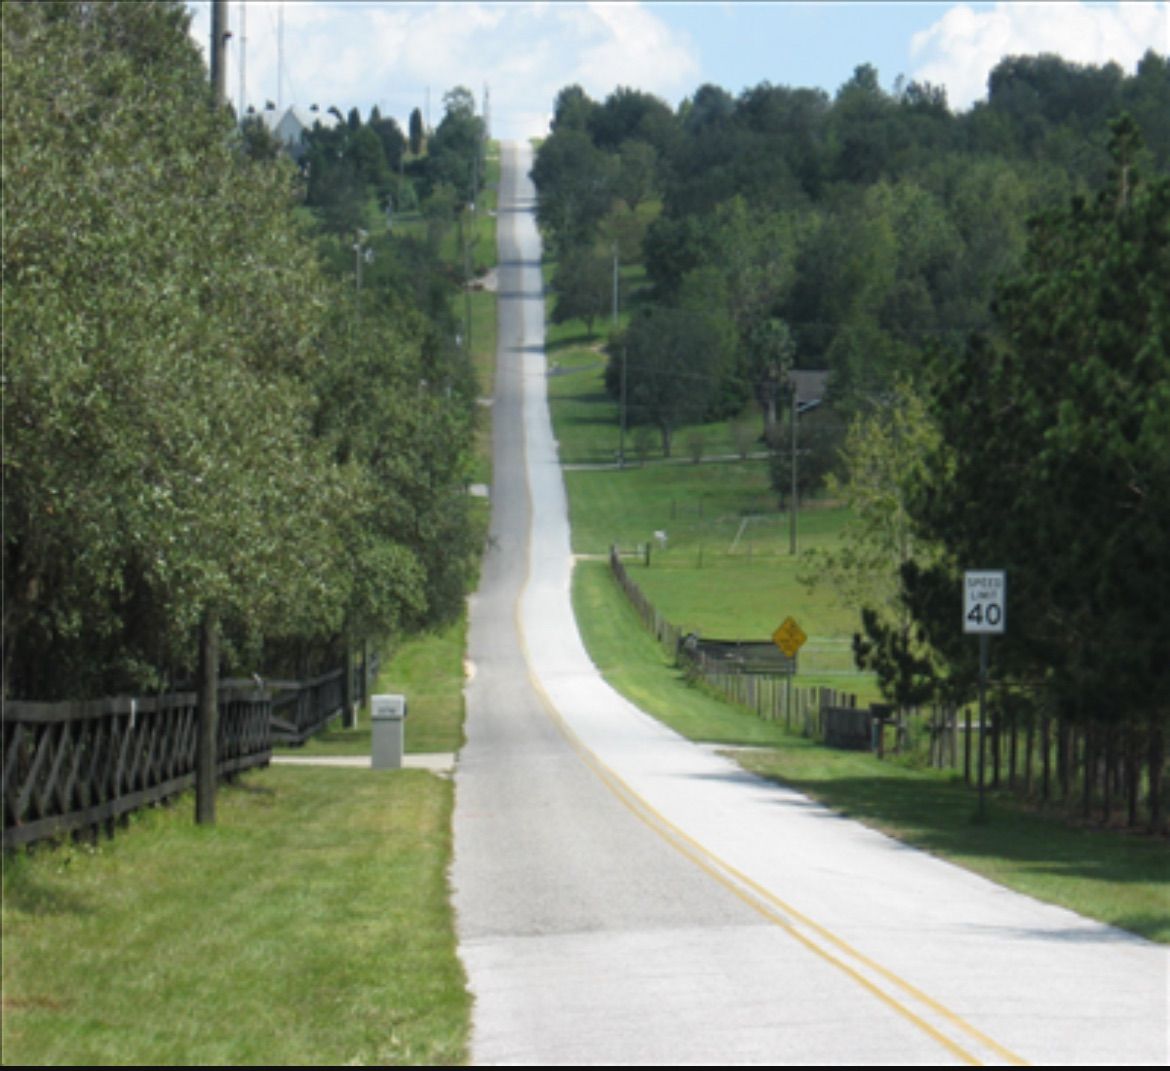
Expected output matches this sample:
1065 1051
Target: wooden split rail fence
72 766
1121 769
753 674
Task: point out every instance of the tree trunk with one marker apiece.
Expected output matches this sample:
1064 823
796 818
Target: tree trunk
1133 775
1046 759
348 721
1063 757
1089 764
967 746
1013 747
1156 755
995 749
1107 787
1029 744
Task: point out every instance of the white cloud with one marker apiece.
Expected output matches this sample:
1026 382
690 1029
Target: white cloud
960 50
390 53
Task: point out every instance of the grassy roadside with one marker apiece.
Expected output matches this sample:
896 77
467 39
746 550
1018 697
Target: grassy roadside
1120 880
310 926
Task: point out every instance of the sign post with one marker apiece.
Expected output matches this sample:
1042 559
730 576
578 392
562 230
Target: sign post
790 638
984 614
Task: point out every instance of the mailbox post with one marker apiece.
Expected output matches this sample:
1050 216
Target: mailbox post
388 716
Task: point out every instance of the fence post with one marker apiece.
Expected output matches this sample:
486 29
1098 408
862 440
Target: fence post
348 721
208 720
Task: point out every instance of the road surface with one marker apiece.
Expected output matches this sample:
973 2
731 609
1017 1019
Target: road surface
624 896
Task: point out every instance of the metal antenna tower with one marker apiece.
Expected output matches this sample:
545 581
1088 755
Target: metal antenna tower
279 59
243 60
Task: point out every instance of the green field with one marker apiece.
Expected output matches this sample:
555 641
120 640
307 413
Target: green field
725 570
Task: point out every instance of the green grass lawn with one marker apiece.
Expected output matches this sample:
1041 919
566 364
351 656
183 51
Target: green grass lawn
310 925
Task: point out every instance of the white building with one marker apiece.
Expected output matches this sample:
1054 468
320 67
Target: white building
293 122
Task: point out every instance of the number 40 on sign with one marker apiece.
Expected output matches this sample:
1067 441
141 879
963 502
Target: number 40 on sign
984 601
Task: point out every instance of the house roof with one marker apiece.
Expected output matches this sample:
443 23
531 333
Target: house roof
294 119
289 125
810 385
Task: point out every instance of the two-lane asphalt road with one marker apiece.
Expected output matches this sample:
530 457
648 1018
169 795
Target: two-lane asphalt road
627 897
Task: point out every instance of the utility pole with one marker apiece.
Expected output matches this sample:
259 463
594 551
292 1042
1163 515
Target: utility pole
219 36
622 434
622 441
792 504
615 285
207 686
362 254
466 282
243 61
279 59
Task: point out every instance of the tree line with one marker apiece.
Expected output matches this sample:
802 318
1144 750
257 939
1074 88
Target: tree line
351 167
988 292
205 416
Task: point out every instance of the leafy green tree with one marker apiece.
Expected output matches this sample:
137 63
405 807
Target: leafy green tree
628 114
672 371
390 135
416 131
862 128
1144 97
711 106
637 172
158 462
455 152
819 434
584 286
199 424
369 159
440 210
882 459
672 248
572 109
395 408
1053 461
574 184
626 229
754 249
260 143
338 177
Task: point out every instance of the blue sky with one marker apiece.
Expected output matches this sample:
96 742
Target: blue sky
404 55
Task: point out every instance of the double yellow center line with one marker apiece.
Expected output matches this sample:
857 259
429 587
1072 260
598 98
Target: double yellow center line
964 1041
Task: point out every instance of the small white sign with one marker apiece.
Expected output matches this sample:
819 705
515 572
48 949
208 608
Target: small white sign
985 601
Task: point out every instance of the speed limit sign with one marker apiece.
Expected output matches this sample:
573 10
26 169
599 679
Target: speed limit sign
984 601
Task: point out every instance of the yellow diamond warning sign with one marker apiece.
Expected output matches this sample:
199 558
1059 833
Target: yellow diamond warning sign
789 637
